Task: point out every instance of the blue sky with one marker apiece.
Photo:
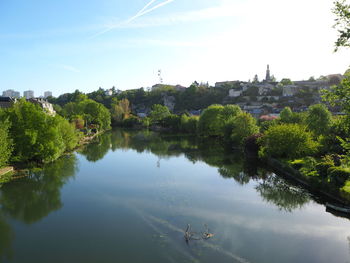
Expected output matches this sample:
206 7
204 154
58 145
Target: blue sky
66 45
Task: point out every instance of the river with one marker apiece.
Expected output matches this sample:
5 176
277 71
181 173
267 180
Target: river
130 196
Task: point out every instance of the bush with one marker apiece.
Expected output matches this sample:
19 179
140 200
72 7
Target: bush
309 167
131 122
189 124
338 175
297 164
323 166
288 141
172 121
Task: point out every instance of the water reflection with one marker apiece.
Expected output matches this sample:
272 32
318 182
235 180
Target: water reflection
6 239
32 198
230 164
285 196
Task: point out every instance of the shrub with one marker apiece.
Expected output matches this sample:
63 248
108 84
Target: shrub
131 121
323 166
288 141
338 175
189 124
172 121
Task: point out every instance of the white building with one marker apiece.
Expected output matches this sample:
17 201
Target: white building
28 94
234 93
47 94
11 93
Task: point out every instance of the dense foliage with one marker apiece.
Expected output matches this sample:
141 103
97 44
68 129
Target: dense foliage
36 135
5 144
288 141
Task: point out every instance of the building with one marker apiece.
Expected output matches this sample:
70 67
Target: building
11 93
47 94
29 94
44 104
268 76
7 102
109 92
226 83
234 93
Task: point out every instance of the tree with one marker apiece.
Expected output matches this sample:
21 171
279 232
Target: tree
36 135
319 119
286 81
213 119
340 94
5 144
287 141
244 125
286 115
342 23
158 113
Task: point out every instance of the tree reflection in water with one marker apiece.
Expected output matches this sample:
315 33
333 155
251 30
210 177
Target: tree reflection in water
32 198
230 164
279 192
6 238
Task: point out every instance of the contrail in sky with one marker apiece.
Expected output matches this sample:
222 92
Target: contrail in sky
140 13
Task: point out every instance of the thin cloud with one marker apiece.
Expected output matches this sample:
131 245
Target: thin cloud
140 13
68 68
232 10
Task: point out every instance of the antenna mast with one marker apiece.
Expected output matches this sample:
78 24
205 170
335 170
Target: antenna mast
160 76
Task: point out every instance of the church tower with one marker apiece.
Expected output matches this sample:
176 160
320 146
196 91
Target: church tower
268 77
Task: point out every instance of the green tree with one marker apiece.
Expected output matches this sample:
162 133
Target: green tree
36 135
5 144
319 119
244 125
342 23
214 119
286 115
158 113
339 94
287 141
286 81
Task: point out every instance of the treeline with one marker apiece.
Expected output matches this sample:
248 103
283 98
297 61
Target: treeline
197 96
29 134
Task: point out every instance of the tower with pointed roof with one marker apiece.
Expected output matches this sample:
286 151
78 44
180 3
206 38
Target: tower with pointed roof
268 76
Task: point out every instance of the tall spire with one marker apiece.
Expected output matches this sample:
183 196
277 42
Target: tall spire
268 77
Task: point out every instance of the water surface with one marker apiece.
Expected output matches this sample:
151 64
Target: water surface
130 196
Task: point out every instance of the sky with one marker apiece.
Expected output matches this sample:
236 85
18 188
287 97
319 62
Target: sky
61 46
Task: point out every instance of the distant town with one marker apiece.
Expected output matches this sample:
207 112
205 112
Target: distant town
260 98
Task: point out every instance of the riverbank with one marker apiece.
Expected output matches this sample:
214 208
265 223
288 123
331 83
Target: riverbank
20 170
325 191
